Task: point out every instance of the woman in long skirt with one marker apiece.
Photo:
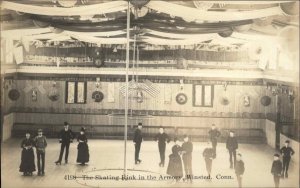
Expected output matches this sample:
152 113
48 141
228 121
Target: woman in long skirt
27 165
83 149
175 165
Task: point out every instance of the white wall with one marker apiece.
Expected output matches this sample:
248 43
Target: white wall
7 126
270 133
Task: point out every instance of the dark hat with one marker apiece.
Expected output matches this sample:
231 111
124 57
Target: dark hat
40 130
66 123
82 129
231 131
287 141
276 155
140 124
185 136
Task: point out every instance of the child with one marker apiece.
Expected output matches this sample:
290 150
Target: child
40 144
276 169
239 169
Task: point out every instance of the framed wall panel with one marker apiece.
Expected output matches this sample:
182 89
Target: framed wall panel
76 92
203 95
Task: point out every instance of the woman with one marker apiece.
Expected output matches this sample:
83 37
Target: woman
27 165
83 149
175 165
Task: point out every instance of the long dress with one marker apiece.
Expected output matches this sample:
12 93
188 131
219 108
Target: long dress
175 164
83 149
27 157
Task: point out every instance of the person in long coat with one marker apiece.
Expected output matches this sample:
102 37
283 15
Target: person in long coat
27 165
83 155
175 168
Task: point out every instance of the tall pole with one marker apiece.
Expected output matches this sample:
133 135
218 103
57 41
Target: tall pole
126 91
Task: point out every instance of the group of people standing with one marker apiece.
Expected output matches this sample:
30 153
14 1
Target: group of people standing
183 153
66 137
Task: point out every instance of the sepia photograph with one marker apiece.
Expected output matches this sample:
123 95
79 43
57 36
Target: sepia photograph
149 93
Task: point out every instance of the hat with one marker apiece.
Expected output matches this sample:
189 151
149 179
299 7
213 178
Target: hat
82 129
66 123
140 124
287 141
276 155
40 130
175 139
185 136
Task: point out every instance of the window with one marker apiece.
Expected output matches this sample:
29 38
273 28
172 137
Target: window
76 92
203 95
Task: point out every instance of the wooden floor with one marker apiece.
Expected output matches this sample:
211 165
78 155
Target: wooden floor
108 154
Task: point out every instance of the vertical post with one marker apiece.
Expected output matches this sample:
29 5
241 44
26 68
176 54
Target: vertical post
127 84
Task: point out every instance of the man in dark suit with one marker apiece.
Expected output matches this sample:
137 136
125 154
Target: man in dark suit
187 149
208 154
286 152
276 169
66 136
162 138
214 133
232 146
137 140
239 169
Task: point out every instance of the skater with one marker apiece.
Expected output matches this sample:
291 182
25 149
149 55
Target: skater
286 152
162 138
209 155
175 165
137 140
66 137
239 169
187 149
40 144
83 149
232 146
276 169
214 133
27 165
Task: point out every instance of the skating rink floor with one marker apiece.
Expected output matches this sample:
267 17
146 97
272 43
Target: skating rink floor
106 159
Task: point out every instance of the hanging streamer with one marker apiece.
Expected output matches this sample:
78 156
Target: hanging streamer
196 14
102 8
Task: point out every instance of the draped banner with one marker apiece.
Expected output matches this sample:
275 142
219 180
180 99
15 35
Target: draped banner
102 8
110 92
192 14
168 93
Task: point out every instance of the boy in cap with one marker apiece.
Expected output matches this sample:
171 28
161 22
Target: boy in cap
286 152
187 149
208 154
239 169
162 138
137 140
276 169
66 136
40 144
232 146
214 134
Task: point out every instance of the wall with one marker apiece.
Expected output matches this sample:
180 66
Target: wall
270 133
8 121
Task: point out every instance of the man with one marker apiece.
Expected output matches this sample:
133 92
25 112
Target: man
40 144
208 154
232 146
187 149
276 169
213 135
66 136
239 169
286 152
137 140
162 138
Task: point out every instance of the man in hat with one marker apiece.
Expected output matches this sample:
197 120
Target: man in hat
232 146
239 169
40 144
286 152
66 136
187 149
276 169
137 140
162 138
214 133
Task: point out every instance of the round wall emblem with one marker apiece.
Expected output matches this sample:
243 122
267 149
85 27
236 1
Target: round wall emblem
13 94
181 98
97 96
